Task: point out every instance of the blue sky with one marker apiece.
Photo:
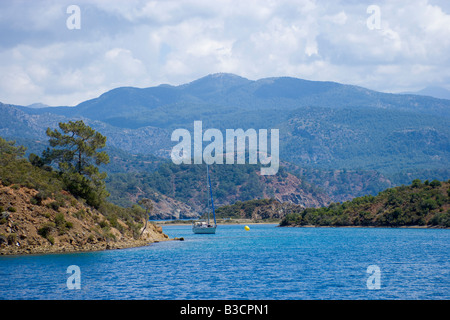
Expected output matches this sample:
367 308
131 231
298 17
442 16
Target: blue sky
146 43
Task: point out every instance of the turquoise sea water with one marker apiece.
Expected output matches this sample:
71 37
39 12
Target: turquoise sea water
266 262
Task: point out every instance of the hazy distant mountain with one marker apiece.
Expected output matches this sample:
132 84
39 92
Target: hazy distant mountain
219 98
38 105
436 92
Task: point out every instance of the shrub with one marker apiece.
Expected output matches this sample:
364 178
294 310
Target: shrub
12 238
416 183
79 214
91 238
113 221
435 183
109 236
59 220
429 204
61 224
103 224
45 230
441 219
51 239
53 205
42 195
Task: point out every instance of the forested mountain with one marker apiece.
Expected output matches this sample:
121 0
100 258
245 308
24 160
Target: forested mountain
369 138
322 124
342 140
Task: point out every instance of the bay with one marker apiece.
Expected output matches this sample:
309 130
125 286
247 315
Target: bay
265 263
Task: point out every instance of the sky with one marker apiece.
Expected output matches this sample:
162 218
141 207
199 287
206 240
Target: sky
54 54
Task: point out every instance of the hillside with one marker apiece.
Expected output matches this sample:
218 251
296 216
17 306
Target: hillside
180 191
171 186
424 204
262 209
38 215
365 138
31 225
419 204
342 185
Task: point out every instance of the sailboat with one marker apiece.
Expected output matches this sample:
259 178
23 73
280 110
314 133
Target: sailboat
205 227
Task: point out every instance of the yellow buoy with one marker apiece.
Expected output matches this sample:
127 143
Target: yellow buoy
247 228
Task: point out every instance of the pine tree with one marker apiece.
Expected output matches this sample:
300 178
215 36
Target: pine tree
75 150
148 205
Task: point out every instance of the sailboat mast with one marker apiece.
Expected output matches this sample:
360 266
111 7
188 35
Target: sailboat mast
210 191
207 183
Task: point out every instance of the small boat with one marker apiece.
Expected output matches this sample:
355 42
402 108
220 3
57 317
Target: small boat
202 227
206 227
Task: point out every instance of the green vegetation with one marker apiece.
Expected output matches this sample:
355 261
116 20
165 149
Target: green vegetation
80 178
341 185
61 224
187 183
75 150
45 230
242 209
384 140
14 169
420 204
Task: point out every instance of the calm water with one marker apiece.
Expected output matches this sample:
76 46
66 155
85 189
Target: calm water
266 262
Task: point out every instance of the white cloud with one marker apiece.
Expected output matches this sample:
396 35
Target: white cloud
143 43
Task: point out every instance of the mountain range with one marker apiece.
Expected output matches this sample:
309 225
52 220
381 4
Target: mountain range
327 130
432 91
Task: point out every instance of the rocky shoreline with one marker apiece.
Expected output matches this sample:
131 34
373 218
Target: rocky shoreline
48 249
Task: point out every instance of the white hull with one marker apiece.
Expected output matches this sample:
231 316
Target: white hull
204 229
